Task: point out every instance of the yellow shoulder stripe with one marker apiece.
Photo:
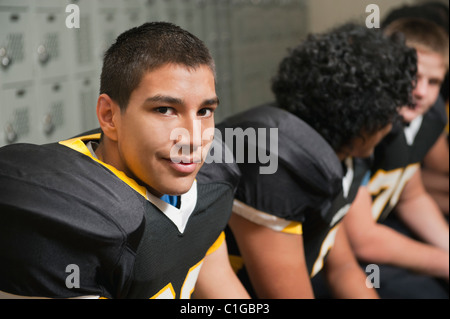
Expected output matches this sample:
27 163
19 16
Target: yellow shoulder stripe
78 144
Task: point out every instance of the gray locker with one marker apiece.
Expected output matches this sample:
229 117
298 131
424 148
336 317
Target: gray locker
57 118
17 113
223 58
107 26
81 57
133 14
15 41
85 94
50 39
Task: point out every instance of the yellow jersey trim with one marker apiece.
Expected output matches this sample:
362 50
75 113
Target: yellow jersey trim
219 242
294 228
78 144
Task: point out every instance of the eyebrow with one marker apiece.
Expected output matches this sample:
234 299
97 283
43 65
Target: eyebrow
163 99
177 101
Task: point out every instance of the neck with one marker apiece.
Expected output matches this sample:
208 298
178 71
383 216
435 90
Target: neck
342 155
107 152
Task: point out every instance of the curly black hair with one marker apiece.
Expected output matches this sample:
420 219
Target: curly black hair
347 82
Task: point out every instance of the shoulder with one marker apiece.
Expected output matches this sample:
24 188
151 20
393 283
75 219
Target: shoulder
438 112
304 173
65 185
65 209
219 166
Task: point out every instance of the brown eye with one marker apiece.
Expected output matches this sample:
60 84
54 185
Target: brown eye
165 110
206 112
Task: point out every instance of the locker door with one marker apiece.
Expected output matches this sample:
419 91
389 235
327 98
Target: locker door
223 59
50 39
85 94
58 118
81 56
107 26
157 10
15 41
133 14
17 113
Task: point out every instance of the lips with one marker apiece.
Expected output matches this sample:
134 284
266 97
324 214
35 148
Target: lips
184 165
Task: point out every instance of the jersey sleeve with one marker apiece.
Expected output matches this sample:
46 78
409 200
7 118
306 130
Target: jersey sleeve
219 166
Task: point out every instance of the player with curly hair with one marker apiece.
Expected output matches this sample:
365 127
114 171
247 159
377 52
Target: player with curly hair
337 95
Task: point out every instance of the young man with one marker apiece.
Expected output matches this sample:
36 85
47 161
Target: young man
335 100
121 215
396 184
435 166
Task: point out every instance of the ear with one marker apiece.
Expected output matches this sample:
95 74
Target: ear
107 111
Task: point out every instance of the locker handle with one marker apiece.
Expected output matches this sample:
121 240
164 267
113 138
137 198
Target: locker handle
43 55
5 59
48 124
10 134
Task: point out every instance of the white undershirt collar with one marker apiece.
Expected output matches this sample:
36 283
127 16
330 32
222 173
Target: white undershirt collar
412 130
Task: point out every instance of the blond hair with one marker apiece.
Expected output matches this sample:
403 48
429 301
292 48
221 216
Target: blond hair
422 35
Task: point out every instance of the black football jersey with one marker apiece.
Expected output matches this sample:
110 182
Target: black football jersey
397 158
72 226
305 195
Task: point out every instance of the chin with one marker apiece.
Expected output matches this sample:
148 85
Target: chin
179 187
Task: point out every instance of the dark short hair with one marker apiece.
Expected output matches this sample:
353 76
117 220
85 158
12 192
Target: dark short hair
347 82
146 48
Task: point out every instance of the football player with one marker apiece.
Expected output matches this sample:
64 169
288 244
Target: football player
121 214
415 246
337 96
435 168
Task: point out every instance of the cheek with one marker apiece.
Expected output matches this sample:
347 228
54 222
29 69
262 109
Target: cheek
434 94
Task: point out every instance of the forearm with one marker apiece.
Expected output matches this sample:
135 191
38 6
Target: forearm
274 261
350 283
378 248
217 280
343 273
424 217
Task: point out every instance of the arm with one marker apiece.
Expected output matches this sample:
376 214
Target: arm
217 279
435 173
344 275
275 261
437 185
421 213
376 243
437 158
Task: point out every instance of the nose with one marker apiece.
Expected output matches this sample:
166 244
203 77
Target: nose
189 134
421 89
194 127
